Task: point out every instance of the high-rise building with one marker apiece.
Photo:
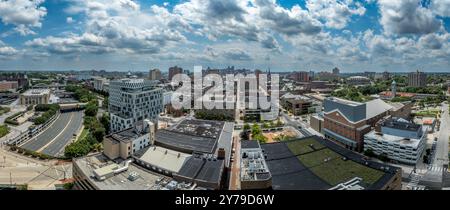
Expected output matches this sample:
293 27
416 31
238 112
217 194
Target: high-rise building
155 74
174 71
132 100
386 75
417 79
336 71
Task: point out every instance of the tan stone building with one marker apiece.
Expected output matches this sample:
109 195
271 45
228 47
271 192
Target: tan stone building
35 96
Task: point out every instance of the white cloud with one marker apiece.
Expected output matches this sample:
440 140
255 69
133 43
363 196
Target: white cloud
7 52
441 7
24 14
69 20
335 13
407 17
115 26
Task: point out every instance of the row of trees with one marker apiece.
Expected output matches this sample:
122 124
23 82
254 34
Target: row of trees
81 94
97 129
49 111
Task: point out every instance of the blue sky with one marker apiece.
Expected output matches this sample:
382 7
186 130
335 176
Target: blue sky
284 35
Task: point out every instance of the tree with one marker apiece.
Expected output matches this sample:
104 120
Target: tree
369 153
91 110
245 135
99 133
246 126
105 122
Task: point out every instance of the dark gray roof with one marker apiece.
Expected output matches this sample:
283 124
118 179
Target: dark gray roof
401 125
203 169
288 173
248 144
185 143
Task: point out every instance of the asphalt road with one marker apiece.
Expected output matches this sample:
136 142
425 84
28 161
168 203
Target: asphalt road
56 147
54 138
441 156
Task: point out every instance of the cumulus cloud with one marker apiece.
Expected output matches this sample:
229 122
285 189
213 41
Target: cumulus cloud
237 55
7 52
441 7
335 13
407 17
24 14
115 26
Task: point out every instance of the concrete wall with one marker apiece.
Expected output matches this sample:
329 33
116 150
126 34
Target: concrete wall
111 148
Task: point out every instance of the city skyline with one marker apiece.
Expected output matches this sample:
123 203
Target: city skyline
283 35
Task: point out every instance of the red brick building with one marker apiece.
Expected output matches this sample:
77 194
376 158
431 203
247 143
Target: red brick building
346 122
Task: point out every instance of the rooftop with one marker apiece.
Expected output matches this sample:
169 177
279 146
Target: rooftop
376 107
163 158
401 124
203 169
36 92
253 164
127 135
314 163
146 180
414 143
344 101
196 136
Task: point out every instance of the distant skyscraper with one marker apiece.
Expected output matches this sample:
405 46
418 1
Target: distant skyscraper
174 71
417 79
336 71
386 75
132 100
155 74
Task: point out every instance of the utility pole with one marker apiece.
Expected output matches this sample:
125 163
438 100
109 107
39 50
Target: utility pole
10 178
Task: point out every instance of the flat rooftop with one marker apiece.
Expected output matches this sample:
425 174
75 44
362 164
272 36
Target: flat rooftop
203 169
401 125
146 180
393 139
33 92
194 136
314 163
127 135
163 158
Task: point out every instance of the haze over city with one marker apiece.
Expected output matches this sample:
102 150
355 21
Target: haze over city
283 35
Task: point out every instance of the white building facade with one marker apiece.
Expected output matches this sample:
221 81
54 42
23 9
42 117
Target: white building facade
399 140
132 100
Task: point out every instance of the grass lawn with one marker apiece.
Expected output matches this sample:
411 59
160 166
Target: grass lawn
428 113
302 146
337 170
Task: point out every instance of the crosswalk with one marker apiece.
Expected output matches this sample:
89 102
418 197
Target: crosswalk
436 169
414 183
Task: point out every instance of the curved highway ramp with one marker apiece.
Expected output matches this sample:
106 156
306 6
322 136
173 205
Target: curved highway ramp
60 133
